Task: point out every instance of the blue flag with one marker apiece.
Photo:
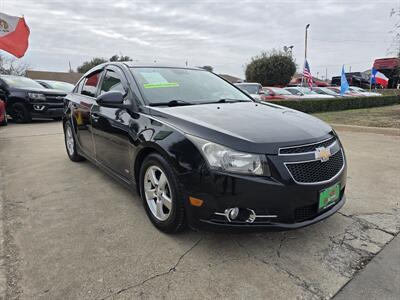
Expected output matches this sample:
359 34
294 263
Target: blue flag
344 85
373 73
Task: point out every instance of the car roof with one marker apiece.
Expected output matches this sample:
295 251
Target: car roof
130 64
247 83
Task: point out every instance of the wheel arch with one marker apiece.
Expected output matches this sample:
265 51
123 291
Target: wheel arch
145 151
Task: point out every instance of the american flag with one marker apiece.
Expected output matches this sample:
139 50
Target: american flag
307 74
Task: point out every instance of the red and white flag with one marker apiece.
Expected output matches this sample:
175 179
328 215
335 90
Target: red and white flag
14 35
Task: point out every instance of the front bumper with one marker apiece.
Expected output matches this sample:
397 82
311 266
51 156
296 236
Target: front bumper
47 110
293 205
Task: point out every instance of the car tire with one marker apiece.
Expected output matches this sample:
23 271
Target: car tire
169 216
20 113
70 143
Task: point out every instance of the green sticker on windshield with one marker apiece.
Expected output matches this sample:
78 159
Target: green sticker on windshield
160 85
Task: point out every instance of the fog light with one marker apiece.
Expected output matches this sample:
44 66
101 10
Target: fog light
232 213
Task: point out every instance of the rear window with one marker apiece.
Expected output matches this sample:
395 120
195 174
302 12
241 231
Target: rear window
250 88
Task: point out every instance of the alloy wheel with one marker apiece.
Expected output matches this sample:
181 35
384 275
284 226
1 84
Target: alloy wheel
18 114
69 138
158 193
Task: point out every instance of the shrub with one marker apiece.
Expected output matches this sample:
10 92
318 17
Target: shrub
271 69
335 104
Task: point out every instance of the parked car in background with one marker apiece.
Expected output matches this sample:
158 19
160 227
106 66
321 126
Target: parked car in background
202 152
255 90
389 66
360 79
306 92
326 91
276 93
56 85
27 99
363 92
3 114
347 94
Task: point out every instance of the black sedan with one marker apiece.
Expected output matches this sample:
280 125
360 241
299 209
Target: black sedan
26 99
202 152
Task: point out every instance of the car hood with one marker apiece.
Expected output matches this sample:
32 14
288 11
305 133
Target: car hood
251 127
40 90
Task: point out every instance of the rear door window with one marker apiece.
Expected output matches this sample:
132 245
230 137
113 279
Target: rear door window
90 85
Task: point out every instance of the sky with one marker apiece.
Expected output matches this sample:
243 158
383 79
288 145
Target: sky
221 33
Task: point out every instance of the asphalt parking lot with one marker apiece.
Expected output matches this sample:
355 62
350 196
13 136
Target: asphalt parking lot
71 232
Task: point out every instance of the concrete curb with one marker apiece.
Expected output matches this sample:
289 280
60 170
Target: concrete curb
378 130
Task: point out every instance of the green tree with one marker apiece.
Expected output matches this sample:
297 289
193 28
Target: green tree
208 68
275 68
121 57
87 65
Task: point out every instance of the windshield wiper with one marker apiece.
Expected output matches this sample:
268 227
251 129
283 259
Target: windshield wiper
172 103
229 100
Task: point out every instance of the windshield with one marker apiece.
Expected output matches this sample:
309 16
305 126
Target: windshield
300 90
250 88
59 85
328 91
21 82
280 91
357 89
306 91
163 85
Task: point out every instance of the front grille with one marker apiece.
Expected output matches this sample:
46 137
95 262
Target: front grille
53 98
316 171
305 212
307 148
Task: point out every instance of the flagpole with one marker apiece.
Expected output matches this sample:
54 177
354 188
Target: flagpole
305 53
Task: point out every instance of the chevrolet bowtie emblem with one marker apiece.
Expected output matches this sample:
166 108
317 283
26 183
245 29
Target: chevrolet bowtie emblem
322 154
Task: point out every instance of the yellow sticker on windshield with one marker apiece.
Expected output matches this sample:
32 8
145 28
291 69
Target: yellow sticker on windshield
160 85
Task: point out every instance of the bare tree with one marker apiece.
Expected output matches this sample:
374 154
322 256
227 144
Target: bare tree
11 66
394 47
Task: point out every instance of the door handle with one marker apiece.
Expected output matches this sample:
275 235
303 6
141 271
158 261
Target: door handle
95 118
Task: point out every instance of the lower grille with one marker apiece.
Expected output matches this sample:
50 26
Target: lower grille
316 171
305 212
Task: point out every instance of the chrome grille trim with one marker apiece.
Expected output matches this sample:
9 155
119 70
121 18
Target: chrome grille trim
317 182
304 145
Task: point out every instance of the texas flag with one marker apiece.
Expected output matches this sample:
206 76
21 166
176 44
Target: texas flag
14 35
379 78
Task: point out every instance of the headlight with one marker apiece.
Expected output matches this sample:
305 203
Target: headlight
224 158
37 96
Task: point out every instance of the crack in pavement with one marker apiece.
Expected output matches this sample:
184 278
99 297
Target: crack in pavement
172 269
365 223
298 281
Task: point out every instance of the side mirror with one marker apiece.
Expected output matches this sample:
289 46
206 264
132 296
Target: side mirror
111 99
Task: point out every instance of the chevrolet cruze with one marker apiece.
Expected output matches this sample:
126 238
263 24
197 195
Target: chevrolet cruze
203 153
